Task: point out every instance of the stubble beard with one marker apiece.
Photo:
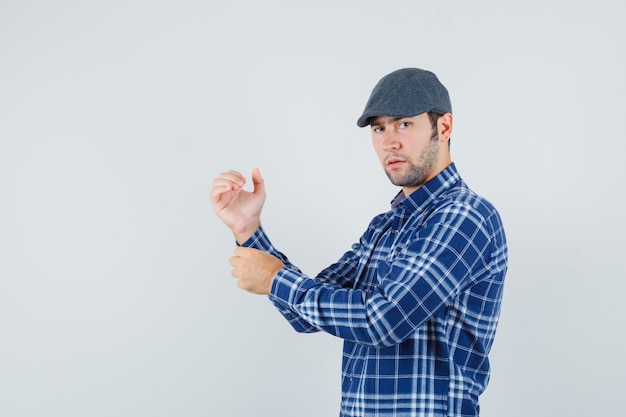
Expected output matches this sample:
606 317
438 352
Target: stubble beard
415 175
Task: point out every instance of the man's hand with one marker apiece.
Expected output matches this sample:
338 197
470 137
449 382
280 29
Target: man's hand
255 269
240 210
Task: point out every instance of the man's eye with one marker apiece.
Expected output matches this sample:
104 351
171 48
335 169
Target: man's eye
404 125
377 129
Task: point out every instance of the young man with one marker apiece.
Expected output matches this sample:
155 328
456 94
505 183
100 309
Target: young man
417 299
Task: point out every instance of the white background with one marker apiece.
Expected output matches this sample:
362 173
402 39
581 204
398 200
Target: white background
115 292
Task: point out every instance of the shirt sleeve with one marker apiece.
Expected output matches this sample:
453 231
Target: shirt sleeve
259 240
422 275
339 274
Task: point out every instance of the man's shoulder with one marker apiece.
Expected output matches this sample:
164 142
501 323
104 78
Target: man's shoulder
462 196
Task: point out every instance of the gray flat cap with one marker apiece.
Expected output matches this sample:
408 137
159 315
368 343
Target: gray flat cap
406 92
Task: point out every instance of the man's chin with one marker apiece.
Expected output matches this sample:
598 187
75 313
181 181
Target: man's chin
395 179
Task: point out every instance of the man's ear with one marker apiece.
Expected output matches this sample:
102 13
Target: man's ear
444 127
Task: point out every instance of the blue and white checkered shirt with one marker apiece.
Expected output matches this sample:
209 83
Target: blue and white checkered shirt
416 302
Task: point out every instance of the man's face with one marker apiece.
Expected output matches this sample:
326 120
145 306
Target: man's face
408 149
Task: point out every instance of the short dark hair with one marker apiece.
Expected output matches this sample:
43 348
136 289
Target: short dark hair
434 116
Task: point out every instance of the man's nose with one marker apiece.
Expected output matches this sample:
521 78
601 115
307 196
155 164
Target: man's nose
390 140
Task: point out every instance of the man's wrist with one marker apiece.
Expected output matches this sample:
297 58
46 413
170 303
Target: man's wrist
243 236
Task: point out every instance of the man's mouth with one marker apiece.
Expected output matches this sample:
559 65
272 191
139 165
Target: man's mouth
394 162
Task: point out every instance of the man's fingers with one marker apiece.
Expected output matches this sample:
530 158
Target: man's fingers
233 176
236 262
218 190
242 256
244 252
254 269
224 183
234 181
228 181
240 260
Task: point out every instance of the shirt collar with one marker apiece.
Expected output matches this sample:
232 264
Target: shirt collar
427 193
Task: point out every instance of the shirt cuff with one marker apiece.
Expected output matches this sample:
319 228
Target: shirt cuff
287 287
258 240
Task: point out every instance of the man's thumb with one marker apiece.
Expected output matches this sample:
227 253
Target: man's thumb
257 181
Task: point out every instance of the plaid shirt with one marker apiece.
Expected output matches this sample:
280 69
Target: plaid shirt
416 302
